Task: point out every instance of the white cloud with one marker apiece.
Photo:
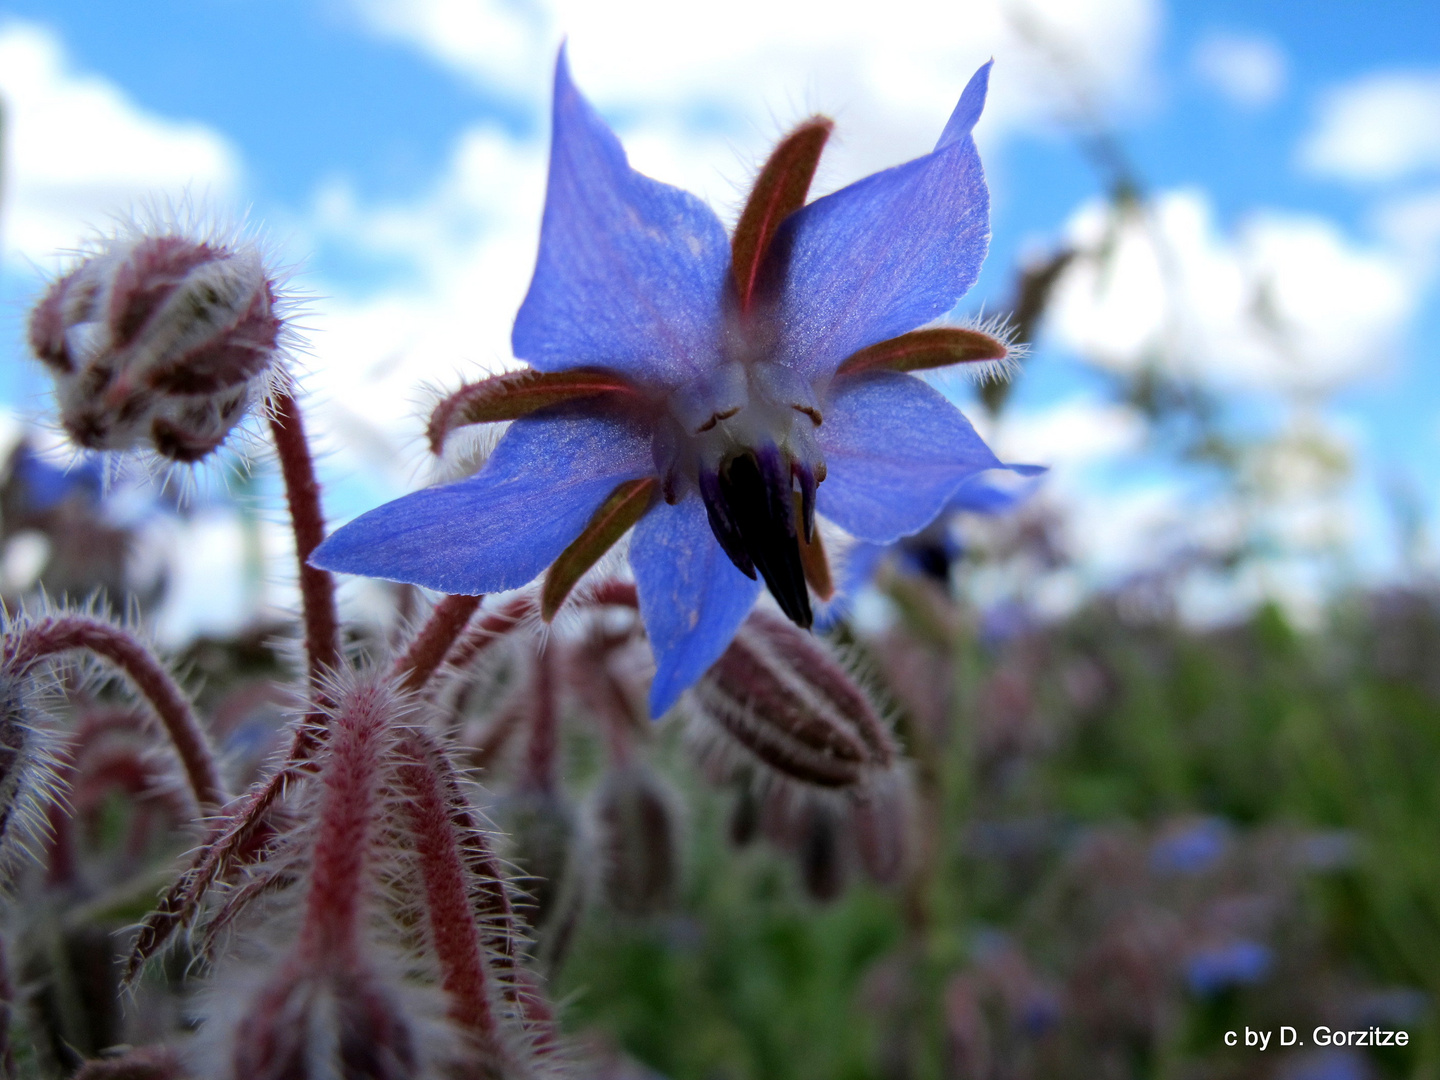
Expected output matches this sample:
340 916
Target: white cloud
468 244
1286 301
78 151
1382 127
1073 433
1249 71
1411 225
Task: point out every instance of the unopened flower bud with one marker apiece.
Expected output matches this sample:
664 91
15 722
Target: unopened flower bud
146 1063
546 846
159 341
883 820
308 1024
635 826
824 868
782 698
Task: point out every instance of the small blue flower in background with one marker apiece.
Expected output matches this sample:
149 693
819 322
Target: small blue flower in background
44 486
1192 849
749 383
1220 967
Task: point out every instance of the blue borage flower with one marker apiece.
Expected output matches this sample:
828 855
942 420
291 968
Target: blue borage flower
714 392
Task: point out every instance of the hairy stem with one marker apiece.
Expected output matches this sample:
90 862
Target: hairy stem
453 928
427 651
494 912
28 645
350 778
302 491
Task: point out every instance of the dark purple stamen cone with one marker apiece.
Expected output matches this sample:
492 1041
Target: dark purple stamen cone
752 513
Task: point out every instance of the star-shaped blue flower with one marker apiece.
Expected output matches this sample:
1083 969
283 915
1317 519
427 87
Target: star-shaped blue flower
740 386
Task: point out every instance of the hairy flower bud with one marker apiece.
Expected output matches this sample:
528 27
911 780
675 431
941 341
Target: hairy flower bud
635 826
319 1024
779 696
159 341
146 1063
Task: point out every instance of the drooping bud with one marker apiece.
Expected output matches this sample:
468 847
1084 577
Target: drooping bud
779 697
635 824
145 1063
308 1024
159 341
819 772
544 844
824 867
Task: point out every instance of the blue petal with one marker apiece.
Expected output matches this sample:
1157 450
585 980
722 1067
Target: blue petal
895 451
501 527
630 270
691 596
888 253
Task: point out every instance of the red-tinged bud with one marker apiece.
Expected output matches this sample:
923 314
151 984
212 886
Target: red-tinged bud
967 1033
635 826
308 1023
544 845
883 817
824 867
159 341
778 697
146 1063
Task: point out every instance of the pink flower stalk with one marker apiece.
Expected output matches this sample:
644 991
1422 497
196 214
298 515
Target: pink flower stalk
326 1010
392 826
159 340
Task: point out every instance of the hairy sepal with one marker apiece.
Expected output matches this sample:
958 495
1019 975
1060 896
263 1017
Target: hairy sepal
617 514
514 394
924 350
779 191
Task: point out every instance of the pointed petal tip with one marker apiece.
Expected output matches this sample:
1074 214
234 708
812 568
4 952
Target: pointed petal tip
968 109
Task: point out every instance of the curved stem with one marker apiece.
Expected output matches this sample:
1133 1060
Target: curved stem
427 651
302 491
30 644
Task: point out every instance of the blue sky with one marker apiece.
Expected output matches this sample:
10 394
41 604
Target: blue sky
393 147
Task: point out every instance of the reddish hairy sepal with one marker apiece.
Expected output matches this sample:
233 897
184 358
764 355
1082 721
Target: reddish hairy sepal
625 506
779 695
779 191
922 350
515 394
